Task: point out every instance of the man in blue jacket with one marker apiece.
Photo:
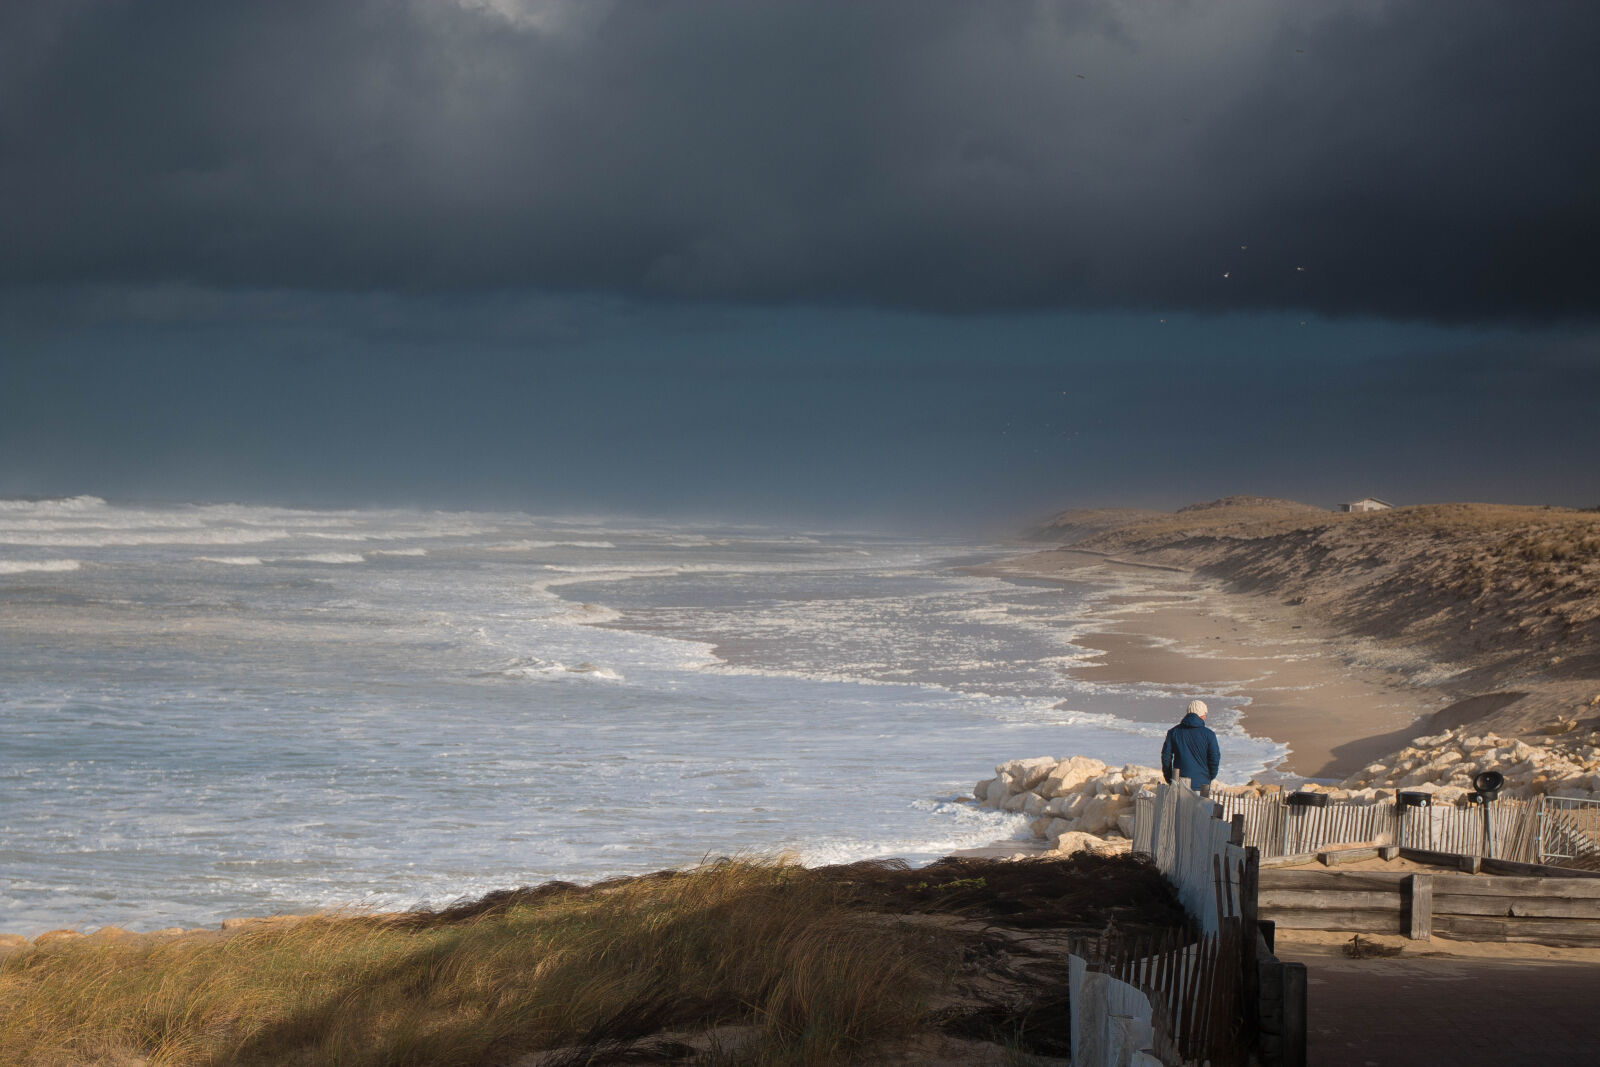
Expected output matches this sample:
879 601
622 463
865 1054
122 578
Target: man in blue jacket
1191 750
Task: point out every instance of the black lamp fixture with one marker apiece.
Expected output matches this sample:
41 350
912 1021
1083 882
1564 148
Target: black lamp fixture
1486 785
1307 800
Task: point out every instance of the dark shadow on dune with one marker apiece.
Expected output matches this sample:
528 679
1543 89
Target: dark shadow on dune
1347 757
1085 894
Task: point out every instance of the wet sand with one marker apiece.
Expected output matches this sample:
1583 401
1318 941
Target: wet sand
1307 688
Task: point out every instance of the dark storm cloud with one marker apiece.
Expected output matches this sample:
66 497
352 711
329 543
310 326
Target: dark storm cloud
1416 159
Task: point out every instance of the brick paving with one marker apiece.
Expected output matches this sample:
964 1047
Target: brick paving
1424 1010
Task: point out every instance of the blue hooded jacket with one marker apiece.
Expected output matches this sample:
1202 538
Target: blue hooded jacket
1191 751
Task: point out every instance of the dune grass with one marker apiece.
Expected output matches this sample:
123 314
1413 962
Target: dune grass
735 941
805 958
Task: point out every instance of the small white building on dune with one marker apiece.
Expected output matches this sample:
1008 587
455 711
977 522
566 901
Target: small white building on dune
1366 503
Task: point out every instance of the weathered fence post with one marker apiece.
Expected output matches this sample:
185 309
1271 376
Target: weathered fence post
1250 913
1419 894
1294 1015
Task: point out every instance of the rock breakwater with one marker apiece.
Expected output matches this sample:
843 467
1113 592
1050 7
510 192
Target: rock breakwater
1078 802
1444 764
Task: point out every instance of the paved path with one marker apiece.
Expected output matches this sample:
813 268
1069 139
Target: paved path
1419 1011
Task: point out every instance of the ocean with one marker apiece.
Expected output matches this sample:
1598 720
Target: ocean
219 710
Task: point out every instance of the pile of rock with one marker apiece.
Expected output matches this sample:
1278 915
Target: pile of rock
1444 765
1076 802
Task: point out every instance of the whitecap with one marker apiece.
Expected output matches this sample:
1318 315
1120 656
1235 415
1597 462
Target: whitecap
539 669
24 566
531 546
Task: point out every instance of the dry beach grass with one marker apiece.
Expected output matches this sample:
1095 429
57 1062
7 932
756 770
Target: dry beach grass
734 962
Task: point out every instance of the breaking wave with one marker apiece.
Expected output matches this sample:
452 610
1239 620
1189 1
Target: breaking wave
551 669
24 566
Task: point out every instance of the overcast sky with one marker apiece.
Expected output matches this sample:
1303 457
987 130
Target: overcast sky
914 261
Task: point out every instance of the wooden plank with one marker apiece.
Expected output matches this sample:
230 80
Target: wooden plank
1570 932
1335 899
1468 928
1507 867
1506 885
1470 864
1420 917
1528 927
1555 940
1293 859
1363 922
1319 879
1424 855
1389 852
1511 905
1335 856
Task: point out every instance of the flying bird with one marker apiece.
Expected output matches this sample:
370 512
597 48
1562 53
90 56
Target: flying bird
1226 273
1080 76
1302 270
1243 247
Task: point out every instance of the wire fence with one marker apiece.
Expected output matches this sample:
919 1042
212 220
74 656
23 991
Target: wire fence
1568 833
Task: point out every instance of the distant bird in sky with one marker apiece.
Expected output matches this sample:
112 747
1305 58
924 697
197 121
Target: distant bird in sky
1300 269
1080 76
1226 273
1243 247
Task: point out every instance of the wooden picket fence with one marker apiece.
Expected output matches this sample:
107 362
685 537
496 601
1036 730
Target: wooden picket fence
1507 829
1200 988
1194 987
1195 849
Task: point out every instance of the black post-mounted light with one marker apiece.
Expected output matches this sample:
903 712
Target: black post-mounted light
1486 785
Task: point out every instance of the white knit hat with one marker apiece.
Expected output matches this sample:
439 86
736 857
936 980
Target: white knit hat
1197 707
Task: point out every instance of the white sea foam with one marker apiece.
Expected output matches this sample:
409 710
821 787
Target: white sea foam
864 683
57 505
533 546
106 537
546 670
25 566
957 826
585 614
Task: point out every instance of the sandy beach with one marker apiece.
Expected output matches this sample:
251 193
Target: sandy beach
1335 704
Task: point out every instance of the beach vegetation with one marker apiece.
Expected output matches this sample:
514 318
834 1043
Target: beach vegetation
736 961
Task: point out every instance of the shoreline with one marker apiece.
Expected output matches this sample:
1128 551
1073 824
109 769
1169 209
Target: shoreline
1336 705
